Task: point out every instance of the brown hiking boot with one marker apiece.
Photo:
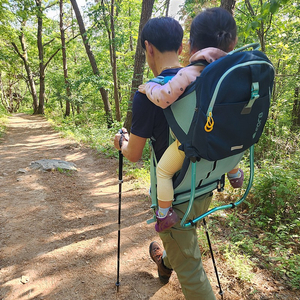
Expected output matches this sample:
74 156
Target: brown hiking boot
156 253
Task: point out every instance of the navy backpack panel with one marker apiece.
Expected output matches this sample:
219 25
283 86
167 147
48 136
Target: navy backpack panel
226 107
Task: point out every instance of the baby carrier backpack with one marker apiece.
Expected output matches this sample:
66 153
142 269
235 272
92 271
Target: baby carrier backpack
219 116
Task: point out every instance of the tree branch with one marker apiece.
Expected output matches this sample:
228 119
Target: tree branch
51 4
17 50
46 64
248 4
48 42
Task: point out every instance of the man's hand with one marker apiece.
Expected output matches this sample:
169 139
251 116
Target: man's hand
132 149
120 138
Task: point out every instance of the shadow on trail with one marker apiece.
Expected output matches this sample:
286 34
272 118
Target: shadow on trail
60 230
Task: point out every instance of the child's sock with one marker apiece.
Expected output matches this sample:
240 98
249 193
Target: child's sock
162 212
234 175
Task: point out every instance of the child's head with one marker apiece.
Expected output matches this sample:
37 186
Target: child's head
214 27
164 33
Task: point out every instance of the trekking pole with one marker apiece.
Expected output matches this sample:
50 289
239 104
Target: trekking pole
119 215
213 259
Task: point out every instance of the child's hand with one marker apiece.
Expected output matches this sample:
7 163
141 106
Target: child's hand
142 88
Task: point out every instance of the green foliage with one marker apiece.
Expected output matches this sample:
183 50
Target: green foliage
276 192
3 121
139 174
246 248
202 239
239 262
269 230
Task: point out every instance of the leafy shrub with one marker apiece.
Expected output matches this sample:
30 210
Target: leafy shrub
276 193
239 262
3 121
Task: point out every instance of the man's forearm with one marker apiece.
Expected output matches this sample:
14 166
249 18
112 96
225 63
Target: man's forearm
132 147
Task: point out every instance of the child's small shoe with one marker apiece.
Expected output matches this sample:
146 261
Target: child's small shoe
167 222
238 181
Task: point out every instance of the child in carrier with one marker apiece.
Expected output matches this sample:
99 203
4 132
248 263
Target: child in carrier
213 34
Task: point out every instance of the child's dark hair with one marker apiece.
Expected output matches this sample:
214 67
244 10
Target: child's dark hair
214 27
164 33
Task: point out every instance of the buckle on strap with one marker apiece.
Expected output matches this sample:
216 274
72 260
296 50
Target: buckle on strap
254 95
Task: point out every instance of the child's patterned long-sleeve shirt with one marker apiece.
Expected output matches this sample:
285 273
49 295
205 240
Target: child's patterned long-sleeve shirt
165 95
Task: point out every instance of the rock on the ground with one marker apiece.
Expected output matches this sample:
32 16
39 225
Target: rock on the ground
53 164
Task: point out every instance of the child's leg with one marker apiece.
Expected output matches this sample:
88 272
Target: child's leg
169 164
236 177
234 171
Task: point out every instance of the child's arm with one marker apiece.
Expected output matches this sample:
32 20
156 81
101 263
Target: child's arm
160 95
165 95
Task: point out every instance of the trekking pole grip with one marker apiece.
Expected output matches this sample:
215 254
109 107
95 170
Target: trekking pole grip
121 139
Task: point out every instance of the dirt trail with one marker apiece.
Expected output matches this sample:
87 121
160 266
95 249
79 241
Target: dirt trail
59 232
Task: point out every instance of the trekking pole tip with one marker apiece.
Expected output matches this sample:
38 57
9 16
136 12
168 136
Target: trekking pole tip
117 285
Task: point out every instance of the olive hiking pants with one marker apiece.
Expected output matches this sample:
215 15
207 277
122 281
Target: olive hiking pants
182 253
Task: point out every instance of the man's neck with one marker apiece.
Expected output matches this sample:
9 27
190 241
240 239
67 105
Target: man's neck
164 61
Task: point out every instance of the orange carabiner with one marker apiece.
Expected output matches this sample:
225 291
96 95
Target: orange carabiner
209 123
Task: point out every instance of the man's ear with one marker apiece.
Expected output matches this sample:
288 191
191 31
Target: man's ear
180 49
149 48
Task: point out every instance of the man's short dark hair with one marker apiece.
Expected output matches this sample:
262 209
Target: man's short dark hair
164 33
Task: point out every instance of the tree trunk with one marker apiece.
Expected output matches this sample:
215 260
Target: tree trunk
92 61
130 26
3 95
42 64
228 5
11 100
114 63
112 52
296 105
139 61
263 26
75 57
40 109
24 57
167 7
64 56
